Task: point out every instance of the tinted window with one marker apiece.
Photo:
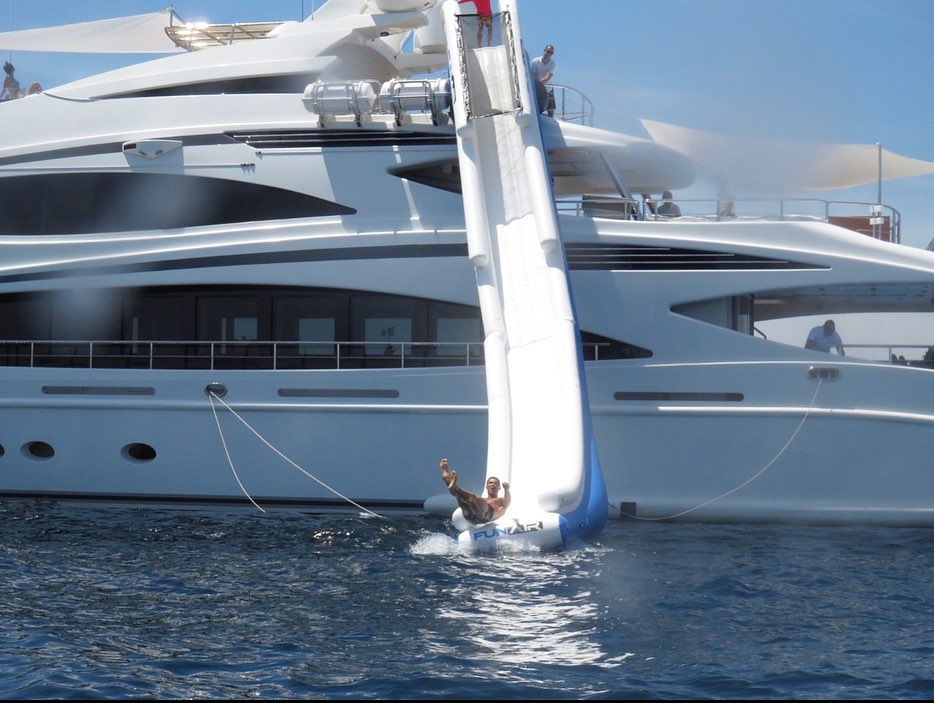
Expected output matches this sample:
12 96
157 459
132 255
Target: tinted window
79 203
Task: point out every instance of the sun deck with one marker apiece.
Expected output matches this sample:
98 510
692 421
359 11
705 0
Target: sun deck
873 220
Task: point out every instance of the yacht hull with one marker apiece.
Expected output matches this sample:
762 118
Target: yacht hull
71 434
777 446
823 454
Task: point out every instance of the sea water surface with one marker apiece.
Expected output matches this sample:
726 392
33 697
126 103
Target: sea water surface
124 602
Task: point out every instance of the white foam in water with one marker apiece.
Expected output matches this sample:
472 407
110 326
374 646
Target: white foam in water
434 544
438 544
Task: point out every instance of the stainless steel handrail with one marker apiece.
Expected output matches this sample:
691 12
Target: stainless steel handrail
571 105
850 214
283 355
243 354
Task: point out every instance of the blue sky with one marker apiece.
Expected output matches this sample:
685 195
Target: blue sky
833 71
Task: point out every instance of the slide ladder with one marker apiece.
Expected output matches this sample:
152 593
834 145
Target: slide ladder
540 436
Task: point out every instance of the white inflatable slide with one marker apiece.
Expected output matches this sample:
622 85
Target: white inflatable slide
540 438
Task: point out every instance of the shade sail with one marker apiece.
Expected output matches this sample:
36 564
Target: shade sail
771 165
135 34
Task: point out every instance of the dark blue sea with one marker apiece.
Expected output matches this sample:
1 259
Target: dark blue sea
236 604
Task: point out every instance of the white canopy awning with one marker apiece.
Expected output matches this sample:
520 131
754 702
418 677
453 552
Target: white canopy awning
781 166
204 36
136 34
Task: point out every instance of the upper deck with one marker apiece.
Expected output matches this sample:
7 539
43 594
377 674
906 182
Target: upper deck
881 222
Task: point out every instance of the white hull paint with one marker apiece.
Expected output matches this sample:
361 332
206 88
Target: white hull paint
827 462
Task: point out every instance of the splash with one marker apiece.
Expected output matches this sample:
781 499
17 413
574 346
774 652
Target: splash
434 544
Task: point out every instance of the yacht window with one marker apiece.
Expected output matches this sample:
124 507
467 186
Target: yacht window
733 313
390 332
244 329
228 86
597 347
315 328
386 323
445 175
78 203
152 318
743 317
25 318
451 326
307 319
248 327
86 314
716 312
228 319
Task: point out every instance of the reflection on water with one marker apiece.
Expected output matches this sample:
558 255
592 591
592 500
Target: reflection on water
530 607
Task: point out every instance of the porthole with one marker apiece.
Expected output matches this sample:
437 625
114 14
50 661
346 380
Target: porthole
2 450
38 450
138 451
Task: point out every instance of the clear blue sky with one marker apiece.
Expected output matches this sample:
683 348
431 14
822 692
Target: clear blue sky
834 71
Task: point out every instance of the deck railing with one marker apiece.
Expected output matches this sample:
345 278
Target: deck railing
877 221
317 354
571 105
905 354
246 355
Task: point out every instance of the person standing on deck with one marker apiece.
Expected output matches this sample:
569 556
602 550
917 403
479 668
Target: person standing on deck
668 207
11 87
484 19
543 70
824 338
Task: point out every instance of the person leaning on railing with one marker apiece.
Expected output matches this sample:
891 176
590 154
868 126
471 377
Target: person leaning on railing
543 70
668 208
824 338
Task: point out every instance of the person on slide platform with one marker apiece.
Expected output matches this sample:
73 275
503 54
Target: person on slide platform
477 509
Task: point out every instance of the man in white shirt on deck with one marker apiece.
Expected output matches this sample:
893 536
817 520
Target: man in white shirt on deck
543 70
824 338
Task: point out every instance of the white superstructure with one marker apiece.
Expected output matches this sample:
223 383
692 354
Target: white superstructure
272 230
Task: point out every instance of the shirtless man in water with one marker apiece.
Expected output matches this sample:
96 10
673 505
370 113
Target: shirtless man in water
476 509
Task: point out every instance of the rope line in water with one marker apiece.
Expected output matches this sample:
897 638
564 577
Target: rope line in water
213 396
744 483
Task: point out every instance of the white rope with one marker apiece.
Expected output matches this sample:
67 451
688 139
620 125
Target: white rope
321 483
227 452
744 483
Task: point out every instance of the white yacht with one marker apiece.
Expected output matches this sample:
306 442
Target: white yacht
241 272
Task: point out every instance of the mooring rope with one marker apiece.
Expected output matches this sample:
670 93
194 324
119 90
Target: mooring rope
227 452
744 483
213 396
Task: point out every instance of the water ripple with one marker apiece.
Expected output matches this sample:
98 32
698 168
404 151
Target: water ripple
125 603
